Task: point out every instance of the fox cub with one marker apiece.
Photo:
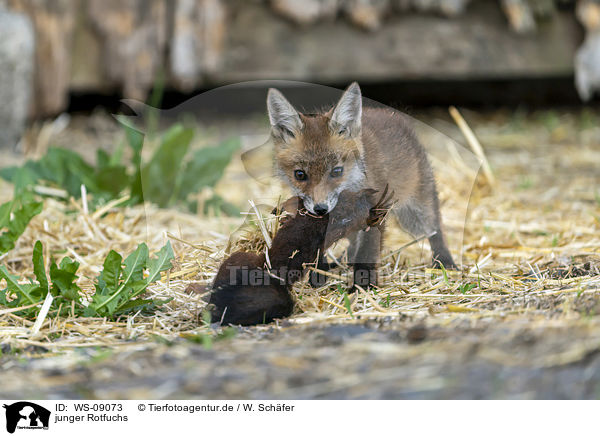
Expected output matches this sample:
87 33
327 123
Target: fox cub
351 148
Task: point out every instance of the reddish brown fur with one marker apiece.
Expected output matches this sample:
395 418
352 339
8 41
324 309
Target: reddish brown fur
316 151
379 142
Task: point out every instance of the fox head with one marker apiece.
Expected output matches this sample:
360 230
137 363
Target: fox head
319 155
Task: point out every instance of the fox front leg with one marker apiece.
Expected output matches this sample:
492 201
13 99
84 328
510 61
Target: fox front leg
366 257
316 279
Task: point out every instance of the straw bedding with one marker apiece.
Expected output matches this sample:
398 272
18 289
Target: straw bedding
530 247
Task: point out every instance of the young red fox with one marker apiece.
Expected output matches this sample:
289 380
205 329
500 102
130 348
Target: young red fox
353 148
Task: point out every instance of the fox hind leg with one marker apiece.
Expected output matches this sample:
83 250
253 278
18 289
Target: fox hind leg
441 254
418 221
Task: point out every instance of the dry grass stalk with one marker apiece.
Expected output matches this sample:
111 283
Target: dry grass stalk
473 143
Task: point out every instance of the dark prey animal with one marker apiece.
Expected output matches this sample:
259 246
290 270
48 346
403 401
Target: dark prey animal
247 292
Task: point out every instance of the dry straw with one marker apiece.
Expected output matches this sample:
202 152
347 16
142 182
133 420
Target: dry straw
527 251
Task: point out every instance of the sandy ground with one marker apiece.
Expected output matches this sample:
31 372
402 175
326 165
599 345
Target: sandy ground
520 320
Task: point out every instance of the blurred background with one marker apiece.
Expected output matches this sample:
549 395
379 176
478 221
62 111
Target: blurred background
72 55
66 67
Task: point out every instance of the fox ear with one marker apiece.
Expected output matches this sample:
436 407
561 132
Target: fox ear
346 117
285 120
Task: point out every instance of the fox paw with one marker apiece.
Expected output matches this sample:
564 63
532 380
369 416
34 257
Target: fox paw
365 276
444 261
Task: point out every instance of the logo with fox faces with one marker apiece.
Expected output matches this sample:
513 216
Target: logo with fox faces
25 415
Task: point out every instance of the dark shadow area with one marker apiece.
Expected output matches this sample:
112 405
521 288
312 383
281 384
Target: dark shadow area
404 95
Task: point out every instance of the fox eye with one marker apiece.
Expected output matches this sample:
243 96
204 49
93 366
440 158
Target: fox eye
300 175
337 171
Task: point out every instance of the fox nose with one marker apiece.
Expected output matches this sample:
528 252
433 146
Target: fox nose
320 209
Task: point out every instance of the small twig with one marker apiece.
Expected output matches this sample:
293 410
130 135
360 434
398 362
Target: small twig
333 304
18 309
408 244
84 200
473 143
331 254
371 299
42 315
108 206
326 273
51 192
191 244
223 316
261 224
480 264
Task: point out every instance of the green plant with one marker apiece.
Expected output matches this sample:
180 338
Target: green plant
525 183
348 305
207 339
387 302
466 287
550 119
117 288
67 170
15 215
445 274
121 282
168 178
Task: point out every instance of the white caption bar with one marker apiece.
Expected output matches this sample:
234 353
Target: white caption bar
149 417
